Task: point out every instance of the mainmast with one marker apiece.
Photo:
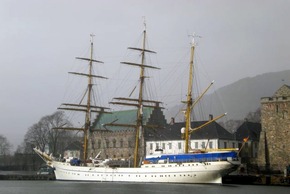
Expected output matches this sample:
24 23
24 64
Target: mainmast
140 102
88 108
139 123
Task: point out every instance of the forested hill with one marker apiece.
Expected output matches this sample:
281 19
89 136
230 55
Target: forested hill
240 97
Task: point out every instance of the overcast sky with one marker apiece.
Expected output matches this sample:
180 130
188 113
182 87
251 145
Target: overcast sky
40 40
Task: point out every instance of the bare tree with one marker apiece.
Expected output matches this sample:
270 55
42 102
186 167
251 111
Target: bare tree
42 134
254 116
231 125
5 146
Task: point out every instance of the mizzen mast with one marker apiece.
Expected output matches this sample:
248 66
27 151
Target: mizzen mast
190 103
88 108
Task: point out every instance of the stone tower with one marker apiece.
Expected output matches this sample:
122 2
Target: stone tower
274 146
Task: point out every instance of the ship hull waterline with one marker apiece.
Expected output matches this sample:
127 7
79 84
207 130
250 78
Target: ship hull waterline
195 172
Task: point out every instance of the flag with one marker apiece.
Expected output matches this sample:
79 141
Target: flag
246 139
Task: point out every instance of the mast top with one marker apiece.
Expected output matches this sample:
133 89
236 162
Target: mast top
92 38
144 23
194 36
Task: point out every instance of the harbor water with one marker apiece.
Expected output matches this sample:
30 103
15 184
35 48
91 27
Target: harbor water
56 187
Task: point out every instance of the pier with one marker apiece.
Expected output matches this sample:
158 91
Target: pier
257 179
20 176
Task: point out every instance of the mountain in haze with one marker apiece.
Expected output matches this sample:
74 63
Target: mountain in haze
238 98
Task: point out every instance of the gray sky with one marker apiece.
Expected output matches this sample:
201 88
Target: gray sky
40 39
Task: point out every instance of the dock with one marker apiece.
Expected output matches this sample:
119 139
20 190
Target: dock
257 180
27 177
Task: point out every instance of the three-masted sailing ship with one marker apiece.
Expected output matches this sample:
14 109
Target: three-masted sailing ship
206 167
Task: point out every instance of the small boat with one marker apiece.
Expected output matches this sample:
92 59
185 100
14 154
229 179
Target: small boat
188 167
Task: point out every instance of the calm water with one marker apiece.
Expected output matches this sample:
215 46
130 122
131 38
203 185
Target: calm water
56 187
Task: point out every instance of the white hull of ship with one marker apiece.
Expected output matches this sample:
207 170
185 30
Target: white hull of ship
196 172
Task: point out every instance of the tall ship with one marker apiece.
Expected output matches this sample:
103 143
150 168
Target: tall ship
188 167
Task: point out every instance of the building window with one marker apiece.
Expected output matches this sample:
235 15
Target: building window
107 143
121 143
163 146
179 145
277 108
99 144
225 145
210 145
196 145
285 114
234 145
130 144
203 145
157 145
170 145
93 144
114 143
151 146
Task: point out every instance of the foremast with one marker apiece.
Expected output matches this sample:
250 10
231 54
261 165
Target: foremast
140 102
88 108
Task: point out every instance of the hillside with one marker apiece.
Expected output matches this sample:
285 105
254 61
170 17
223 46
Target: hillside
240 97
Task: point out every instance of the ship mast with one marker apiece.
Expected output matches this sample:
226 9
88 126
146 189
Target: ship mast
139 123
88 108
190 104
189 98
140 102
88 112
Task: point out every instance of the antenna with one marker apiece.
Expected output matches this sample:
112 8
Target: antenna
144 22
92 38
194 36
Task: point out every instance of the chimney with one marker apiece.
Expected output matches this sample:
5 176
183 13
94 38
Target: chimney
210 117
172 121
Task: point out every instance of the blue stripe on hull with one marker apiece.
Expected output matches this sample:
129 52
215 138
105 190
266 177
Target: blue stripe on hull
196 157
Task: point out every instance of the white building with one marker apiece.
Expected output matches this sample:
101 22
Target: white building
212 136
